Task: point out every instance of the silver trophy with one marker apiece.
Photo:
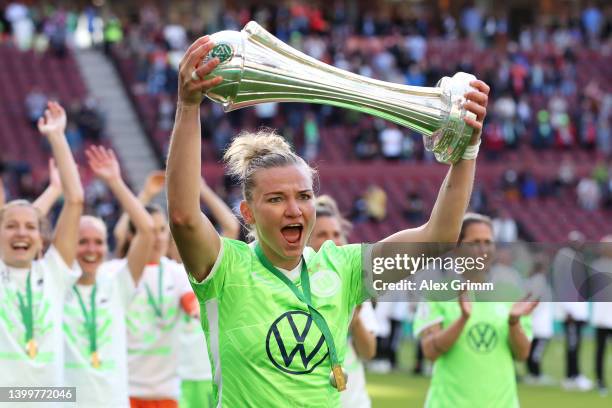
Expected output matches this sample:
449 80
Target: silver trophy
257 68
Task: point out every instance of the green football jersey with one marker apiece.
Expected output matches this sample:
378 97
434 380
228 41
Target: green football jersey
478 370
265 349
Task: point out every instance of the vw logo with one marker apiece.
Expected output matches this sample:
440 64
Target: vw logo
482 337
294 343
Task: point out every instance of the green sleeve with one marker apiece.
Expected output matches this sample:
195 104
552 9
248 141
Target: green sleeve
229 259
355 278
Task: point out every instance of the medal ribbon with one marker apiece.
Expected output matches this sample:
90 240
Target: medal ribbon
26 309
305 298
90 318
157 306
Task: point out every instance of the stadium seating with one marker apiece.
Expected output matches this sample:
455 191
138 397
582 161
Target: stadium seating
58 78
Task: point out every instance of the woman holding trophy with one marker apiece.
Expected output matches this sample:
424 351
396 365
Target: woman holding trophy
275 312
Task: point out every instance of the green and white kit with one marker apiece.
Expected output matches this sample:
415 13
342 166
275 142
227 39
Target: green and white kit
153 331
95 337
265 348
31 310
478 370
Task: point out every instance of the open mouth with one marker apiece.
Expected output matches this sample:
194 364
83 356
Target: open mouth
90 259
20 246
292 233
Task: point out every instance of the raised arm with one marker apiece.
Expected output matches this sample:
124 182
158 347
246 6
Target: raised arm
230 227
196 238
453 198
52 193
152 187
53 125
520 344
105 165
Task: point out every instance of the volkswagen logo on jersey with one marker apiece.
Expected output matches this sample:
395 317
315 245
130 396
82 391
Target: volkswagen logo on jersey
482 337
294 343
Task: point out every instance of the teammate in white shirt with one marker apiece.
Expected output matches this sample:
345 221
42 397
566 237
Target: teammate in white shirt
542 321
569 269
32 291
601 270
152 323
94 312
330 225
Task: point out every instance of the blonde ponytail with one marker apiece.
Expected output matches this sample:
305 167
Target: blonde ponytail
263 149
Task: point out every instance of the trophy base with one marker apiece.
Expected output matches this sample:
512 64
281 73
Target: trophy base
450 141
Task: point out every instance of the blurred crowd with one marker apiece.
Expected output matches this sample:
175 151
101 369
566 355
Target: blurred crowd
545 95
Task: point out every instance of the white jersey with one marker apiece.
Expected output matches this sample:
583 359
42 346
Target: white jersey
153 331
356 394
602 311
542 317
194 364
105 385
50 279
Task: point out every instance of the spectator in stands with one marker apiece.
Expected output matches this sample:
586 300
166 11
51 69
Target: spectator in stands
35 103
222 135
479 201
55 29
566 176
510 184
529 185
175 34
366 142
113 33
266 112
22 26
74 136
391 141
592 20
26 187
505 229
165 112
543 131
375 203
589 195
311 137
414 208
91 120
359 212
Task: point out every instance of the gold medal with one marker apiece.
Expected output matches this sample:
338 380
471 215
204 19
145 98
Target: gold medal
32 348
338 378
95 359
